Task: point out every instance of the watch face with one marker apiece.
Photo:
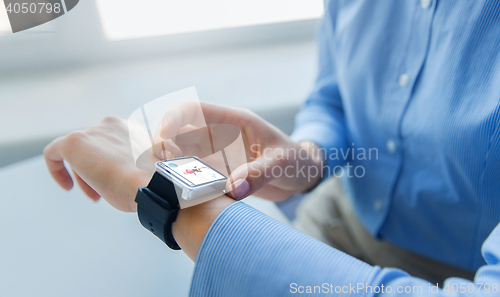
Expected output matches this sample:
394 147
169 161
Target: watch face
193 171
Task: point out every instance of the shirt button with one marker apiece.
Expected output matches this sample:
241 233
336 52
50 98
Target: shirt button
403 80
425 3
377 204
391 146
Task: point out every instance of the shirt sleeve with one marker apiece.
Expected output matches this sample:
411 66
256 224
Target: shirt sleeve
246 253
321 118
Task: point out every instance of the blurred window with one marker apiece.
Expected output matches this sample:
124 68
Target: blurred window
129 19
78 36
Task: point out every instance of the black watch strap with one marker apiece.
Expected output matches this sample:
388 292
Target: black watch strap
157 208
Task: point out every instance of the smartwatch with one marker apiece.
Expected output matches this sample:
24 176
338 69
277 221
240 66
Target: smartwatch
176 183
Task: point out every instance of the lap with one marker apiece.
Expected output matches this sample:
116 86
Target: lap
327 215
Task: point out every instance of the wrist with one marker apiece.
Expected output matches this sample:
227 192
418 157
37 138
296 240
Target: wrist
137 180
192 223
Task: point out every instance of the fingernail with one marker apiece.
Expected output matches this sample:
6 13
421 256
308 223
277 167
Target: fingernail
240 189
168 155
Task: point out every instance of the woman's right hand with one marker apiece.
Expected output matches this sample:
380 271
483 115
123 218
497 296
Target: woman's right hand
274 160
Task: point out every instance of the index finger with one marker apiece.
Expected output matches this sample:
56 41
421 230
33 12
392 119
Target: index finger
198 114
183 114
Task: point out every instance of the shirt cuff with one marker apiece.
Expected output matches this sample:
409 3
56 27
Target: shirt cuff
327 140
315 132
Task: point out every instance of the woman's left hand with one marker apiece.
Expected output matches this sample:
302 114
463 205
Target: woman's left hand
102 162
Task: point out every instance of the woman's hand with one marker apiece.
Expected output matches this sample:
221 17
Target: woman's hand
102 163
274 161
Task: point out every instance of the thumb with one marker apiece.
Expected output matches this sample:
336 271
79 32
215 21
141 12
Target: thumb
250 177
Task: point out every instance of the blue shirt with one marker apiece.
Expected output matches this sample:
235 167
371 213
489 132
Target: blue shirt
246 253
417 84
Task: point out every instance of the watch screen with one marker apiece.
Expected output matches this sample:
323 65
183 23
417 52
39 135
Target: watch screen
193 171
